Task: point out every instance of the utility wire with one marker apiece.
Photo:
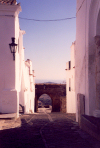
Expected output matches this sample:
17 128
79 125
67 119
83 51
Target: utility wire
80 7
8 15
55 20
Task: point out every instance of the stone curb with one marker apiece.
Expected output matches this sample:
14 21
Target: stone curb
1 123
10 123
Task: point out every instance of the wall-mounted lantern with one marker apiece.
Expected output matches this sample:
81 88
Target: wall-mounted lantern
13 47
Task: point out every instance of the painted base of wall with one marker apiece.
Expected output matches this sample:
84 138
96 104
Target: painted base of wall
10 116
9 101
96 113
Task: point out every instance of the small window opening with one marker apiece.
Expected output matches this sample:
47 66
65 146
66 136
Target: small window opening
69 84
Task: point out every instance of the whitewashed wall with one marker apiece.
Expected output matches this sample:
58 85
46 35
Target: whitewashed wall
86 30
29 90
14 75
9 98
70 96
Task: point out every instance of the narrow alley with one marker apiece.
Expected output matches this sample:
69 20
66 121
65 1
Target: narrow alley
45 130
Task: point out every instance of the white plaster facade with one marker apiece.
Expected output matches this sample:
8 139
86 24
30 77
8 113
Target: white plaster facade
86 80
16 77
70 81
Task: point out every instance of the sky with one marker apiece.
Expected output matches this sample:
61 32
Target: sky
47 44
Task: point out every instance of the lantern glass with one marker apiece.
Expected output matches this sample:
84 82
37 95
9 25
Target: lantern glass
13 46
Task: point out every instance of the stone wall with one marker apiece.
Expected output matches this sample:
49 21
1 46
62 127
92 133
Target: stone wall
57 92
63 104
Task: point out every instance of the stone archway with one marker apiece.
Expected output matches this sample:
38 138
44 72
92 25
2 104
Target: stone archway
57 93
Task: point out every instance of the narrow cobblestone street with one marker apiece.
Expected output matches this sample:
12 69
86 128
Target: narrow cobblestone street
43 130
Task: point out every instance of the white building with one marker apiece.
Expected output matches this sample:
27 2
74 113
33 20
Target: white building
87 60
16 76
87 57
70 87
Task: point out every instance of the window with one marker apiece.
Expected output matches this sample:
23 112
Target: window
69 65
69 84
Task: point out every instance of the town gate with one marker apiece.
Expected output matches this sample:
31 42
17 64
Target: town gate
57 92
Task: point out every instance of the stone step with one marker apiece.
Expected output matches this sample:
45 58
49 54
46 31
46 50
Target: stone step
8 116
91 125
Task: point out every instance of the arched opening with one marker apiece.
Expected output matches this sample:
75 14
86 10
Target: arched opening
45 103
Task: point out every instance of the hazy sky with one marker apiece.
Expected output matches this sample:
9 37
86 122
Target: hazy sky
47 44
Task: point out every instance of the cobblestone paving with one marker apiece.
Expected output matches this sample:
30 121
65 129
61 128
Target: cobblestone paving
55 130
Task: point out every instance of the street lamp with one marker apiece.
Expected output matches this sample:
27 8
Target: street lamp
13 47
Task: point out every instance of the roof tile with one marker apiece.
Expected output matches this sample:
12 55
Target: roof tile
11 2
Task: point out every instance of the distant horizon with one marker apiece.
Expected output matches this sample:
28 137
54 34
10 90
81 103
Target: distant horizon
49 80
